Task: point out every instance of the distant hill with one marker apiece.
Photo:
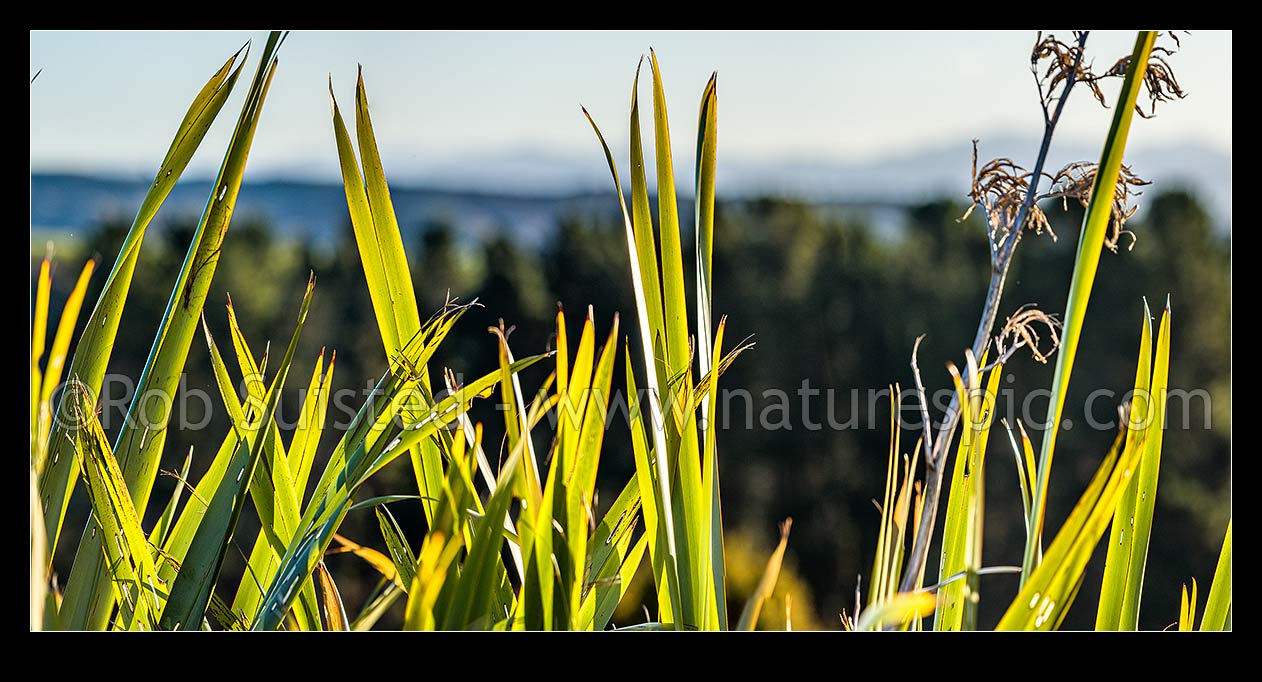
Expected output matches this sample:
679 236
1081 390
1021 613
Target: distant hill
944 171
456 190
929 172
305 210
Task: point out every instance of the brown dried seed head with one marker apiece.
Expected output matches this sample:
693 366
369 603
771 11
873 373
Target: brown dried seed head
1159 81
1021 330
999 187
1076 180
1054 62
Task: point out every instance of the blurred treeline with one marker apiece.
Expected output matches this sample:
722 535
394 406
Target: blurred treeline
826 297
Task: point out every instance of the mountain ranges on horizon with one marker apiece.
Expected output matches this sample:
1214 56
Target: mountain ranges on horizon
526 193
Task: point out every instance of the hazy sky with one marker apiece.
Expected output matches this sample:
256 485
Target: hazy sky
111 100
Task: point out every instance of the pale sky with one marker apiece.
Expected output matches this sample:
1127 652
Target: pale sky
111 100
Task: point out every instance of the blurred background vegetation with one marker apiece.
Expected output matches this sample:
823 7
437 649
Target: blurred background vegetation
826 295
